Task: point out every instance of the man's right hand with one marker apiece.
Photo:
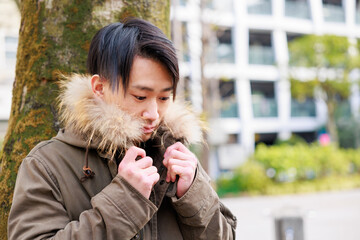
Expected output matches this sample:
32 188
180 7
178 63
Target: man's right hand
141 174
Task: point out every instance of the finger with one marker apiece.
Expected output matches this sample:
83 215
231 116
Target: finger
167 179
177 170
172 147
154 178
173 164
132 153
177 155
172 175
182 163
168 174
177 146
172 152
144 162
149 171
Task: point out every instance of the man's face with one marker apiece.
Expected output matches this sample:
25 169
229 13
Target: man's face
148 95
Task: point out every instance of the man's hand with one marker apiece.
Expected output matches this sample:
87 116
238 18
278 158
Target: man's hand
141 174
180 161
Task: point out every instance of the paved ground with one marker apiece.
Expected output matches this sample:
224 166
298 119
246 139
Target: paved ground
327 216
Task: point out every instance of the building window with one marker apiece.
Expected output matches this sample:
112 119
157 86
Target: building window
333 11
10 51
233 138
265 138
297 9
260 48
309 137
221 48
357 12
263 99
228 102
221 5
262 7
183 2
291 37
305 108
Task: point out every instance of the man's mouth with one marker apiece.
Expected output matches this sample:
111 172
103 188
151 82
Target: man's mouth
148 129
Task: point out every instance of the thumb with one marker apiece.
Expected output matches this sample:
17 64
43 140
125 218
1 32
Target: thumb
132 153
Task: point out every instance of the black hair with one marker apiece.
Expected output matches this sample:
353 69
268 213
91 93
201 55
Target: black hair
114 47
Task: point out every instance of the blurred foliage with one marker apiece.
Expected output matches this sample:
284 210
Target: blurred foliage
349 132
331 58
327 51
302 90
250 178
348 126
320 53
299 167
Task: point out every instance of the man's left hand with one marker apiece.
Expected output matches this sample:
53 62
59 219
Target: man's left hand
182 162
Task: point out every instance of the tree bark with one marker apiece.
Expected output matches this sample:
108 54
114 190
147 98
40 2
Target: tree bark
55 38
205 151
331 122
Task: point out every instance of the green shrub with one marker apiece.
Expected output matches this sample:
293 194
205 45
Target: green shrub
302 161
354 157
291 167
250 177
348 131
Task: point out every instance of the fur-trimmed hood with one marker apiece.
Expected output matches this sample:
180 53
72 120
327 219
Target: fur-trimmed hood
109 128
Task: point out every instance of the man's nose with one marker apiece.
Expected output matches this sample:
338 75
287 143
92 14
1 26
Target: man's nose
151 112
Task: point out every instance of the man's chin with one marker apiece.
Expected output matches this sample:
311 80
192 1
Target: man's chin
146 136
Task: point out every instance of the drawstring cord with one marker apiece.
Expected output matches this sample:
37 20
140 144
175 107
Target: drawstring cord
86 170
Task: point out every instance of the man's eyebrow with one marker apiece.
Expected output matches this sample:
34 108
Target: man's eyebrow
145 88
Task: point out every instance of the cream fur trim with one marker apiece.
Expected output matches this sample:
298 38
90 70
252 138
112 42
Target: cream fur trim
183 123
108 126
87 115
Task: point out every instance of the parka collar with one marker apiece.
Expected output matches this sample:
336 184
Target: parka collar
96 124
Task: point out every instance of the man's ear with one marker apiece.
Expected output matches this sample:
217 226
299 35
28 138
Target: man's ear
97 85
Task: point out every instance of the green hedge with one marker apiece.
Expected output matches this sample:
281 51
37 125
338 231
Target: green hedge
293 167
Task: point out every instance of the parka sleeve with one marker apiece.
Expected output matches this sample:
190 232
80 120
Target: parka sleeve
201 214
38 211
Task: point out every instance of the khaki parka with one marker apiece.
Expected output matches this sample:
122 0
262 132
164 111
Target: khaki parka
53 199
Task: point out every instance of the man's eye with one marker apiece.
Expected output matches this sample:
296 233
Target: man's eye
164 98
140 98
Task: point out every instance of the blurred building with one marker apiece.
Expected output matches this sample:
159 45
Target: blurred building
246 65
245 62
9 31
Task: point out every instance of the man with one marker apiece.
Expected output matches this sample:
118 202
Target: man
119 169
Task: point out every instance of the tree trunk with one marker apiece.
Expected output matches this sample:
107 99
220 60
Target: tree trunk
205 151
55 38
331 122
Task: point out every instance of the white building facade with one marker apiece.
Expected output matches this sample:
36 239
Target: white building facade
9 31
250 63
248 58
